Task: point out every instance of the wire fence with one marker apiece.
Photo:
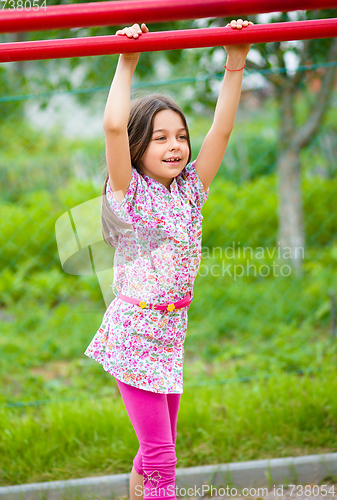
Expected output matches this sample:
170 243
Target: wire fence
254 314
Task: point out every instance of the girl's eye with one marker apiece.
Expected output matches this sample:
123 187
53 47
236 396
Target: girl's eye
164 138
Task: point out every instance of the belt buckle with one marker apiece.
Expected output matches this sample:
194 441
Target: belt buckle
170 306
150 305
154 304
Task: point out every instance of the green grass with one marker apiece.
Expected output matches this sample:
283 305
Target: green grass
284 416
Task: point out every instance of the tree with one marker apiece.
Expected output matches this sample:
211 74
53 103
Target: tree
293 137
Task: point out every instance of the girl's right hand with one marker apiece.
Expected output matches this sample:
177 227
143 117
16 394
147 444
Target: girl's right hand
133 32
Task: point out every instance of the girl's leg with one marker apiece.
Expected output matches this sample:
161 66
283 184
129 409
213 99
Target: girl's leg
136 485
173 401
150 417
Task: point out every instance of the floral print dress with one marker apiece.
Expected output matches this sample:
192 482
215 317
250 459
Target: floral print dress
156 262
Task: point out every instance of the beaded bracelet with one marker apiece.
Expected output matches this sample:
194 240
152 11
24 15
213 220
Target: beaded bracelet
234 69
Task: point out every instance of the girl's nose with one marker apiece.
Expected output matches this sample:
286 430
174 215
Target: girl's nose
174 144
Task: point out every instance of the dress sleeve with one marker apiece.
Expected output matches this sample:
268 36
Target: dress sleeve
124 209
197 188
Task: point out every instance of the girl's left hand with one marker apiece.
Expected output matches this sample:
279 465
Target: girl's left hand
238 50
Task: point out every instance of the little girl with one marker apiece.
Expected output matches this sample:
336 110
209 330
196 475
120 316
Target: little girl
151 213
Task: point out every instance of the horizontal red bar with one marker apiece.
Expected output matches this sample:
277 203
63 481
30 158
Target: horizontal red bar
112 13
167 40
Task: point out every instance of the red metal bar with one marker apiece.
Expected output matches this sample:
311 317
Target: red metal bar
112 13
167 40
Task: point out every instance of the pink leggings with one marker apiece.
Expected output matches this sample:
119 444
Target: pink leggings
154 419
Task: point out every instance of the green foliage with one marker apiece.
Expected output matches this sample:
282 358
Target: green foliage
8 82
245 214
248 213
44 162
320 220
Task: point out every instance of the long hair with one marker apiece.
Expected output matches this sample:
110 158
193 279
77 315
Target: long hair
140 130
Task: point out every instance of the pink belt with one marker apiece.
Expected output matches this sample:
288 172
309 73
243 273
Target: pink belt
168 306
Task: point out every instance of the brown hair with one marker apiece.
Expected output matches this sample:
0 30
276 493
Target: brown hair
140 129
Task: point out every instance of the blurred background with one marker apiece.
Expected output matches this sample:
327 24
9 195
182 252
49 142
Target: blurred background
267 337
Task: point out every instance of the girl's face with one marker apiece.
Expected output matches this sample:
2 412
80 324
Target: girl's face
168 142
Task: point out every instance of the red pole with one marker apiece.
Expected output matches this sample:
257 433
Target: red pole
112 13
167 40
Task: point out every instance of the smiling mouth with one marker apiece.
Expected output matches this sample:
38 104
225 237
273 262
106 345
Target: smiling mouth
173 162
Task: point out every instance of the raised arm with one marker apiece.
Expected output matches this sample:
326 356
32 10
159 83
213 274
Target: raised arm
214 146
116 116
